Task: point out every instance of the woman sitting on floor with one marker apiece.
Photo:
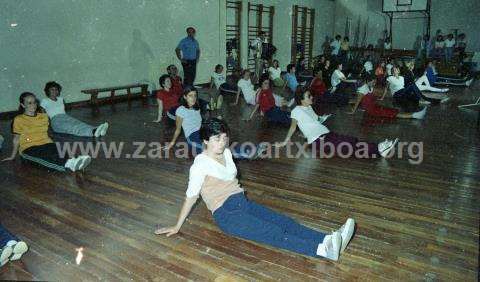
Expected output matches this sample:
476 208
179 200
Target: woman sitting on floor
407 97
422 82
167 99
269 105
367 99
60 121
189 119
11 248
30 138
213 176
325 141
276 74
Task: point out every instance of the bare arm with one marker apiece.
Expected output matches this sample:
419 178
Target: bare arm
16 145
179 55
357 103
211 83
254 111
238 96
385 91
178 128
186 208
160 111
291 130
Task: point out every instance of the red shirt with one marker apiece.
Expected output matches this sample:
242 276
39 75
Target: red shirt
266 100
177 85
317 87
169 99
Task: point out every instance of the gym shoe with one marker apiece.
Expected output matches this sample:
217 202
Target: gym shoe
469 82
84 162
420 114
18 250
6 252
445 90
332 246
386 146
98 131
444 100
104 129
423 102
346 231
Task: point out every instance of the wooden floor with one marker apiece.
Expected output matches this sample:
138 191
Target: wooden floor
414 222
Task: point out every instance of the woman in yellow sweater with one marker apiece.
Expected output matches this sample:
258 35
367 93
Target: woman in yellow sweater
30 138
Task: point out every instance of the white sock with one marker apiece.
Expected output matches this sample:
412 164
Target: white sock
419 114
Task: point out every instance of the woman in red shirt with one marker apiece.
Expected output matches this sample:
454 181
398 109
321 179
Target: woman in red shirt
167 98
266 103
317 87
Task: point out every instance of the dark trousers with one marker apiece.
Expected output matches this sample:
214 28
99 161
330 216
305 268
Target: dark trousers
5 236
337 97
276 115
248 220
45 155
189 72
343 145
408 98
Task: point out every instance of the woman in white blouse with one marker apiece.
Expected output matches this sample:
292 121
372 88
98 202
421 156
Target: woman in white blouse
275 73
213 176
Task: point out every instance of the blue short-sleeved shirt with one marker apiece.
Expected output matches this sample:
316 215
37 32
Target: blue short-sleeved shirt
292 82
189 47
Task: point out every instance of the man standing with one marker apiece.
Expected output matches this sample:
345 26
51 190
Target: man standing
188 52
256 46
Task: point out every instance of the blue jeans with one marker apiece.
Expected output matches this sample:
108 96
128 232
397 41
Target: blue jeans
239 152
5 236
276 115
448 53
248 220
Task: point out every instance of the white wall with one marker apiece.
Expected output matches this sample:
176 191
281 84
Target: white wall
89 43
445 15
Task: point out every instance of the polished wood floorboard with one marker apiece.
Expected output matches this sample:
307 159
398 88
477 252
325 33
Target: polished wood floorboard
414 222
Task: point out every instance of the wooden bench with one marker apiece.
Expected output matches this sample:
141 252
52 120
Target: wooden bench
95 91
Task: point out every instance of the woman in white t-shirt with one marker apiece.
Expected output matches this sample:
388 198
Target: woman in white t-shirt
325 142
246 88
60 121
407 97
189 119
213 176
275 73
339 81
218 80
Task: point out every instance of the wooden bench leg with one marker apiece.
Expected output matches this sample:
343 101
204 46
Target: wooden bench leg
112 102
94 103
145 95
129 97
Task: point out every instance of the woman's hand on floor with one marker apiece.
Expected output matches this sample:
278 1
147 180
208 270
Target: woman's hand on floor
169 231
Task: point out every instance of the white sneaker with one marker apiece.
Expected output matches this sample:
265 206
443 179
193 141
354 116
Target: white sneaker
346 231
18 250
445 90
84 162
444 100
423 102
6 252
73 164
98 131
386 146
420 114
332 246
469 82
104 129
